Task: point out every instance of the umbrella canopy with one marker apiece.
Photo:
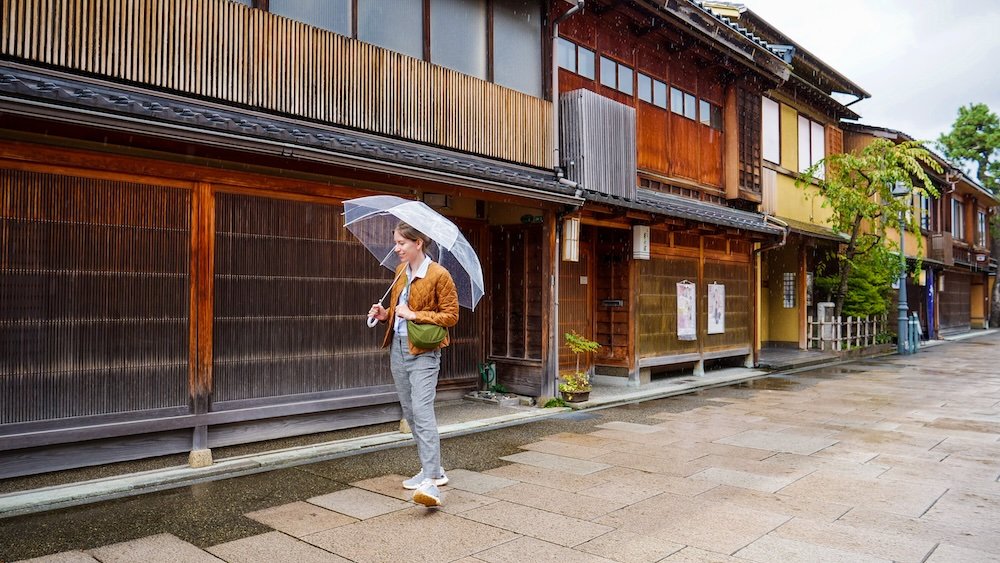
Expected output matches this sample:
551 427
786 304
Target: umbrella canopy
372 220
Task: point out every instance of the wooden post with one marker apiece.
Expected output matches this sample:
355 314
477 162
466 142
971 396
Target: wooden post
201 315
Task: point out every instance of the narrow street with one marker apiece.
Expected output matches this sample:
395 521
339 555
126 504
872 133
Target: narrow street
886 459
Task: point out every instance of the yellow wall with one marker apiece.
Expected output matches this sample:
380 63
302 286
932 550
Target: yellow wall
762 303
978 311
789 138
792 201
782 323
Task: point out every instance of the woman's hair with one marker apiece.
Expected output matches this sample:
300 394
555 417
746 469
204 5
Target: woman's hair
410 233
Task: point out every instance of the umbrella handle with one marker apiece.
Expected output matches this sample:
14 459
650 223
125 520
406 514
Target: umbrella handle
372 321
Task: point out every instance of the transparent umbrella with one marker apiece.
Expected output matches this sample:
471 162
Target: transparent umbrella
372 220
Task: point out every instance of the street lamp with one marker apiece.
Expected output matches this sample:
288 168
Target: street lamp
900 189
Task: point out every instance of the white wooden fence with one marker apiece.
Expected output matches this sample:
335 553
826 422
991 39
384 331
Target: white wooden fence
840 333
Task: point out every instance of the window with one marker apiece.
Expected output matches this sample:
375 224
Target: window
788 290
517 45
575 58
925 212
392 24
616 75
771 130
812 142
683 103
957 220
981 229
458 35
333 15
710 114
652 91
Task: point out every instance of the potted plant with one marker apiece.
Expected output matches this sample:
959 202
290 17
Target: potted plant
575 386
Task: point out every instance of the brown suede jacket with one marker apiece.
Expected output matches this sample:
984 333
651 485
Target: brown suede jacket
433 298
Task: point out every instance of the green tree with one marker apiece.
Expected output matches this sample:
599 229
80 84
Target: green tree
975 138
857 188
868 285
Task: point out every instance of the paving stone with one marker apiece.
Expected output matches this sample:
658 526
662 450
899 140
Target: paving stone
568 504
475 482
412 535
713 448
300 518
64 557
549 461
744 479
893 546
631 427
563 449
540 524
388 485
547 477
778 442
627 547
588 440
161 548
976 511
272 546
678 465
773 548
694 522
892 496
458 501
776 503
359 503
532 549
945 553
695 555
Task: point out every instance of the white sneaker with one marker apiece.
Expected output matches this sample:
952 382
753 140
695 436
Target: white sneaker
414 482
427 494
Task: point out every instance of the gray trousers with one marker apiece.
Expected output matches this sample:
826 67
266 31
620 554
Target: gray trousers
416 383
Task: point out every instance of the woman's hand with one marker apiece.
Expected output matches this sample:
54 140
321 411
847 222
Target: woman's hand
404 312
378 313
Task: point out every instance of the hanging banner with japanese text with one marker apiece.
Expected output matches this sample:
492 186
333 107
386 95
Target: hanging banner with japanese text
716 308
687 320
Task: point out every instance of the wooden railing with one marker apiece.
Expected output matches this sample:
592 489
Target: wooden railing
223 50
845 333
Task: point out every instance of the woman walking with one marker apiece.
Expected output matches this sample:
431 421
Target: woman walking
424 294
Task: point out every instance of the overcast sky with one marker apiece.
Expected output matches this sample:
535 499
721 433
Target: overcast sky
919 59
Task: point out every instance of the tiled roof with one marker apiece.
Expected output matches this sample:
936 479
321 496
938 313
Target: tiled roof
77 92
813 230
693 210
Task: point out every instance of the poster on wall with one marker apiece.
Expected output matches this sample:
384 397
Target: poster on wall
716 308
687 327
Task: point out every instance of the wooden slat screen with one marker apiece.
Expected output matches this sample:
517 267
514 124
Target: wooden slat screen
748 109
226 51
292 286
735 276
94 285
657 309
954 302
574 309
516 290
291 290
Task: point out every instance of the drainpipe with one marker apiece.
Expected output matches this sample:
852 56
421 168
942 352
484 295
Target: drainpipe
554 339
555 85
753 260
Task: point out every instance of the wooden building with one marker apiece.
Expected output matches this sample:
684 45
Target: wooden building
950 292
660 113
174 271
800 125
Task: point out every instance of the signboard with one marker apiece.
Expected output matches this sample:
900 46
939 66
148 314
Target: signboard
716 308
687 320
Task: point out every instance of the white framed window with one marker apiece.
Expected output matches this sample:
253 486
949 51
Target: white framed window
981 228
576 58
651 90
616 75
683 103
925 212
812 144
957 220
770 130
788 290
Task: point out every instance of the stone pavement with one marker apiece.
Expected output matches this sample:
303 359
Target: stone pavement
887 459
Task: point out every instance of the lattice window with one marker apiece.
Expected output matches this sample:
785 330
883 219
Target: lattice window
788 290
749 111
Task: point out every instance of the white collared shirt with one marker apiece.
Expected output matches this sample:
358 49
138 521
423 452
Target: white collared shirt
404 296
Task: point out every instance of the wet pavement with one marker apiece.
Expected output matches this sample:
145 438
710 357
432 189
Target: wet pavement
887 459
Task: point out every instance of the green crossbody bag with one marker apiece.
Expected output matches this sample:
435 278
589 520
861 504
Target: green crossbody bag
425 336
